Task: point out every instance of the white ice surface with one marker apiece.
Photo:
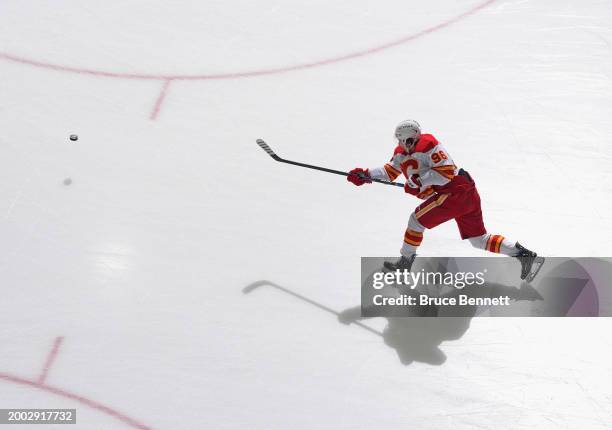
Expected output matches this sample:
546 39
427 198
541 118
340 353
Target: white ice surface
140 262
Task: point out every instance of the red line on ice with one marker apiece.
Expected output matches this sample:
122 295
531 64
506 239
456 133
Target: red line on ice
80 399
160 99
50 359
247 73
251 73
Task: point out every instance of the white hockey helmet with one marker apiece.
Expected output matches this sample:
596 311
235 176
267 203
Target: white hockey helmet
408 133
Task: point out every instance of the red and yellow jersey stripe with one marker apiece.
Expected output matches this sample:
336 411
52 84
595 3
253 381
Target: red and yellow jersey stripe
426 193
392 172
420 211
447 171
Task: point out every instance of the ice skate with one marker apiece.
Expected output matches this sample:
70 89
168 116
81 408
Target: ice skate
530 263
404 263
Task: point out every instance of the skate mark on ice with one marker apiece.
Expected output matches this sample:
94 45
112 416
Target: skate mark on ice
168 78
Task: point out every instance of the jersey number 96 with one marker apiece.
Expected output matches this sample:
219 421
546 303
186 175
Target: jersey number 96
436 157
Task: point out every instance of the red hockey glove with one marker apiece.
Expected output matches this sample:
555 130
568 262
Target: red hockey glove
358 176
413 185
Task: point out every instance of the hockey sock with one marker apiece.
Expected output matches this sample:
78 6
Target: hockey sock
412 237
412 240
494 243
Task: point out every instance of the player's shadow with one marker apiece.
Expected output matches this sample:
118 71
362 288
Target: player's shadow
570 287
417 338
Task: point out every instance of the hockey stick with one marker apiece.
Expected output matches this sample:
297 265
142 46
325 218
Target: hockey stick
254 285
272 154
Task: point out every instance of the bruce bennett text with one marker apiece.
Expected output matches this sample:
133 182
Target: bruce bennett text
425 300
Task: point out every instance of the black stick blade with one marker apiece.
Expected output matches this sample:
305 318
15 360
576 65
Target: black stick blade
263 145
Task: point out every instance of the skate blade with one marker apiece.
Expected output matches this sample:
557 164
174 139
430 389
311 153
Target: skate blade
538 262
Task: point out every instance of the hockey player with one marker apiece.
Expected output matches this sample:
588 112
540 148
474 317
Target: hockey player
449 193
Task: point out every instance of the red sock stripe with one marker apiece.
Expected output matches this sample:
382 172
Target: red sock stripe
494 243
499 243
488 244
413 238
414 233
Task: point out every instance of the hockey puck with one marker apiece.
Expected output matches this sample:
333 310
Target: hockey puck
74 137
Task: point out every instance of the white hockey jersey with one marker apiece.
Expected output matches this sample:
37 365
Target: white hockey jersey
428 159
